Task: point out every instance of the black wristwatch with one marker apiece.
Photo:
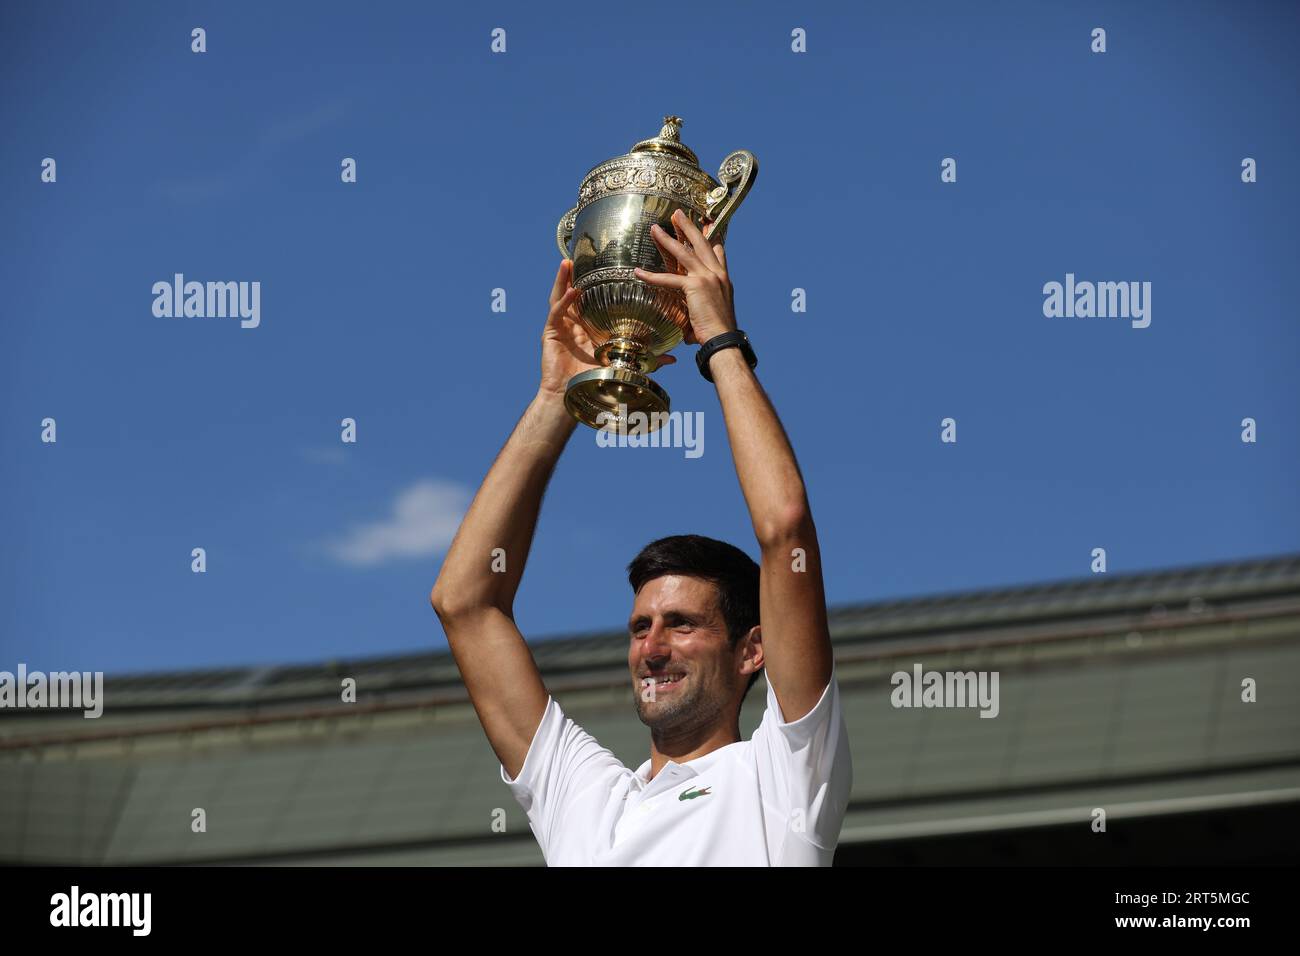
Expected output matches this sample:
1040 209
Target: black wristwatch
726 340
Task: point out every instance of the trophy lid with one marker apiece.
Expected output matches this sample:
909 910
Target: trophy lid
668 141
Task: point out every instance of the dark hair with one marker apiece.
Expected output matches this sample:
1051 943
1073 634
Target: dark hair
731 570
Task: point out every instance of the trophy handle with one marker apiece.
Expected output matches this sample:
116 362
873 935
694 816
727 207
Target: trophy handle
564 232
737 174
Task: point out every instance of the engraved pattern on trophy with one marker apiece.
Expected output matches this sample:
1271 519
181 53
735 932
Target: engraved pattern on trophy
668 178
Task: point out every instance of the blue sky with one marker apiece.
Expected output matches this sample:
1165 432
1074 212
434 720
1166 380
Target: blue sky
924 301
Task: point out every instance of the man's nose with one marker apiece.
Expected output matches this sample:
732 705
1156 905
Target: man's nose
655 645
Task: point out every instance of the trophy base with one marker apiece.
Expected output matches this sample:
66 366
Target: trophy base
604 397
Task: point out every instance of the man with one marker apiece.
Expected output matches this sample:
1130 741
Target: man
696 644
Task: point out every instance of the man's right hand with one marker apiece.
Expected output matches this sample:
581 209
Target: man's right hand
567 349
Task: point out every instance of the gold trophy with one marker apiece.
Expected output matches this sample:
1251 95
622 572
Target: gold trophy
632 322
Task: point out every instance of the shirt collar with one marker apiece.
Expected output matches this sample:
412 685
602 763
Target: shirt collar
683 771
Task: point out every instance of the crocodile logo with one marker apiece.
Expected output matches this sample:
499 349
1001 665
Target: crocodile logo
690 793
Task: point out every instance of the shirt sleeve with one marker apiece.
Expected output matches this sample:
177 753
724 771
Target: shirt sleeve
562 760
805 771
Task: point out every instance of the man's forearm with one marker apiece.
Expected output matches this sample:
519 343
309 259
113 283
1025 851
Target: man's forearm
765 463
504 513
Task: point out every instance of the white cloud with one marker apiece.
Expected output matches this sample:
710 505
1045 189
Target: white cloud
424 519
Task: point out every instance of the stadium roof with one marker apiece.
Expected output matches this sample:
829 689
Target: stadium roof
1117 691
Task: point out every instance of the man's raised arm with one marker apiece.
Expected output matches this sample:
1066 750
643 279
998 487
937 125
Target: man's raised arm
476 603
792 600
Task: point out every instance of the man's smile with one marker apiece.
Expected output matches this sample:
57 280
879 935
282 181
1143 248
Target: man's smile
663 683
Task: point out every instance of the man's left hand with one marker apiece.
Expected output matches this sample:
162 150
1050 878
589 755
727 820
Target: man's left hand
703 278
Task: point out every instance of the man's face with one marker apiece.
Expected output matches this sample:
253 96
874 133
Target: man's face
678 638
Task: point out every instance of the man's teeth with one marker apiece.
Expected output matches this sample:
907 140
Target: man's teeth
646 681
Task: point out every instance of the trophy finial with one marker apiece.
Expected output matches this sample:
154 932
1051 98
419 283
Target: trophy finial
669 141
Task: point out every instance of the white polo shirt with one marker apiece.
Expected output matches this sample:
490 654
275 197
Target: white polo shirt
777 799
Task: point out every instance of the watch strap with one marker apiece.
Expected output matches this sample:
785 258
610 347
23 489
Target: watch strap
734 339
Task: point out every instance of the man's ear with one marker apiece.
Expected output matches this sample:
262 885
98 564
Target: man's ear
753 648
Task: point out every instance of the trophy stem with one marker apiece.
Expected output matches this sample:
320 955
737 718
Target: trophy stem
625 353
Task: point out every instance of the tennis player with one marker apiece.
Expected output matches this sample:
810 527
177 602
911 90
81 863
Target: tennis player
705 621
